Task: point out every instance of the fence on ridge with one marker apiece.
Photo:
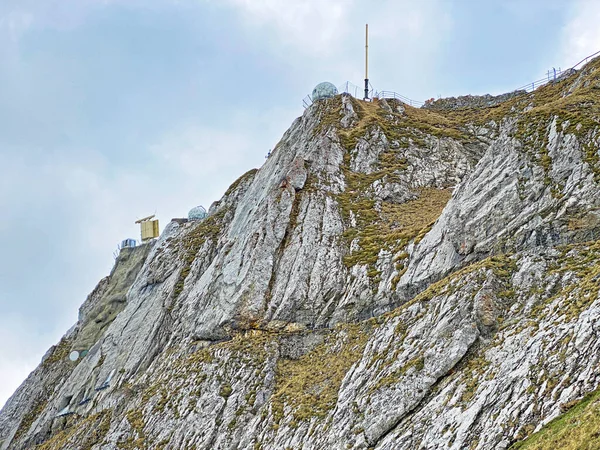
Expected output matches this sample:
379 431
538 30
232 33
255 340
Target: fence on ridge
357 91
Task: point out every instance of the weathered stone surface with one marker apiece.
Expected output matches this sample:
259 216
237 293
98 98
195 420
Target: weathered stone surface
108 299
473 101
390 278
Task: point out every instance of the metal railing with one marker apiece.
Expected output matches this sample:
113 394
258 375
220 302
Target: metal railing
307 101
552 75
555 74
395 95
354 90
358 92
586 59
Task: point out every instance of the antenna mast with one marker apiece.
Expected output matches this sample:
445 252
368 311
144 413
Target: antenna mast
367 62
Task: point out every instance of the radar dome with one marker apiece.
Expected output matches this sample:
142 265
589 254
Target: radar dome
324 90
197 213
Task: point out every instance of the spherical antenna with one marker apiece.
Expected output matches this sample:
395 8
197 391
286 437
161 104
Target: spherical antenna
324 90
197 213
74 355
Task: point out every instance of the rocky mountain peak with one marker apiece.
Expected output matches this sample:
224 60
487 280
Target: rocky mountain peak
391 278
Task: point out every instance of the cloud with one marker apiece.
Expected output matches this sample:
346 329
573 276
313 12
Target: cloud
19 16
580 36
320 41
16 23
312 24
240 141
323 28
190 150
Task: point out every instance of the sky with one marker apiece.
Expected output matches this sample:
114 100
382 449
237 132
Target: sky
112 110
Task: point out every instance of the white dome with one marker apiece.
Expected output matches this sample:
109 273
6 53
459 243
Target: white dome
324 90
197 213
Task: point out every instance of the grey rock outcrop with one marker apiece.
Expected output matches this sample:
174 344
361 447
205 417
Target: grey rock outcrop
390 278
472 101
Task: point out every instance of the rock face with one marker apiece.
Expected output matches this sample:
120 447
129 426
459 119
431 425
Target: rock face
473 101
109 298
391 278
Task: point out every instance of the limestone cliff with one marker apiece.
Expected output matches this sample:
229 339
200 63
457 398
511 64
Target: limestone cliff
391 278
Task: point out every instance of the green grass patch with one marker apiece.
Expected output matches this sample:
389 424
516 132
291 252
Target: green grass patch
577 429
310 384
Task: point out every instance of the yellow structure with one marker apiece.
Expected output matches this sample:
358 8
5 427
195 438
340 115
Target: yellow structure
149 228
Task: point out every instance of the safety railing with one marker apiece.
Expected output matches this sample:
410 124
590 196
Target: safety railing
556 74
586 59
346 88
395 95
354 90
358 92
552 75
307 101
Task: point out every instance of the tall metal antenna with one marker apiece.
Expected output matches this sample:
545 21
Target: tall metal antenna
367 62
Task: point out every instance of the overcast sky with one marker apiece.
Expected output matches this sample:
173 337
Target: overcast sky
111 110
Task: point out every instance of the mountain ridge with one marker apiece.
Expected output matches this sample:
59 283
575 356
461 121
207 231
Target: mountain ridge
391 277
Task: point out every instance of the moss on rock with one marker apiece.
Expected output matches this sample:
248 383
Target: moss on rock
309 385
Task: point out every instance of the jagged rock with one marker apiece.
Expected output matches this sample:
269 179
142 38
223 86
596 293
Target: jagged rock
390 278
476 101
108 299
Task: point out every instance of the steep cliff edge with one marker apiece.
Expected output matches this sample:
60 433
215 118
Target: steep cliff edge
391 278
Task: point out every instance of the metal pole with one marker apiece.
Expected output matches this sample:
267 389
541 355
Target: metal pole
367 62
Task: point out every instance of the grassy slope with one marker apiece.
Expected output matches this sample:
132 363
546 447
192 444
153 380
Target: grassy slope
578 428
